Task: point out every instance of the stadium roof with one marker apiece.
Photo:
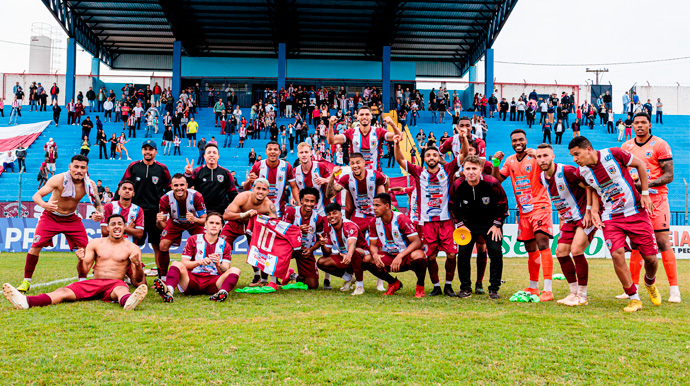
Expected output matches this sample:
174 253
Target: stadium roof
139 34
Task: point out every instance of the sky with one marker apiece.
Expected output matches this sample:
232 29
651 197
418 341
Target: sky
537 31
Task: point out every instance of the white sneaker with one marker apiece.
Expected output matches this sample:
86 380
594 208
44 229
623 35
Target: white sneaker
674 297
568 299
137 296
348 285
379 286
358 291
622 296
582 300
15 297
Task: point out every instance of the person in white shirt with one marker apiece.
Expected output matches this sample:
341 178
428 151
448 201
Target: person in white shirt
138 114
108 107
520 110
238 114
543 109
8 160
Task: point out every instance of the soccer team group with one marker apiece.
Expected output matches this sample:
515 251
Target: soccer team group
619 190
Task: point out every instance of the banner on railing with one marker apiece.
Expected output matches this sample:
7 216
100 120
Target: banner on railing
16 235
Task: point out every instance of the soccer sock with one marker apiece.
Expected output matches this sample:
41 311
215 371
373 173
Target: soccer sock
573 287
451 264
360 283
347 277
568 268
547 264
39 301
635 265
533 265
327 276
582 290
419 268
274 280
30 266
668 258
533 284
230 282
173 278
163 263
449 282
649 280
582 269
433 271
631 291
481 266
547 285
123 299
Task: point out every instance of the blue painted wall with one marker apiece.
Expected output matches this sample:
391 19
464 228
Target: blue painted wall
296 68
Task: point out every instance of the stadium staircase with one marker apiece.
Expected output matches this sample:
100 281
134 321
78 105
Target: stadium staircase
675 131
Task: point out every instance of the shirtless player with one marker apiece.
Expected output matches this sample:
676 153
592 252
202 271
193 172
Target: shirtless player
59 215
112 256
242 211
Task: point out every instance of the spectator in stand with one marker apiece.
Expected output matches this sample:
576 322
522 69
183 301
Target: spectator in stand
609 125
102 141
157 91
20 98
33 97
531 113
15 111
86 127
533 96
648 107
132 126
138 111
218 109
543 111
91 98
108 108
71 116
621 130
100 99
576 128
559 129
42 177
78 112
546 129
493 106
628 127
503 109
125 115
252 157
54 92
42 97
21 157
85 146
2 107
121 146
192 129
626 102
167 140
442 109
201 145
113 146
177 143
8 161
521 107
283 153
421 138
100 189
513 109
659 111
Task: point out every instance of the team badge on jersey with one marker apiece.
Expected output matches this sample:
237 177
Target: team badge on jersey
608 243
37 238
528 168
608 157
164 233
154 179
485 200
648 154
221 178
612 170
561 187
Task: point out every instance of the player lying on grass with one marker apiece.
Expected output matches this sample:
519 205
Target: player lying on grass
205 266
110 258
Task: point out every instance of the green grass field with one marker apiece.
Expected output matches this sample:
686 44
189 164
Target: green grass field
331 338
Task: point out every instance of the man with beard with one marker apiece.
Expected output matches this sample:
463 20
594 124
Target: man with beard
205 266
242 211
363 138
213 181
310 223
114 256
573 202
181 209
535 226
59 214
433 184
454 143
311 173
151 181
279 175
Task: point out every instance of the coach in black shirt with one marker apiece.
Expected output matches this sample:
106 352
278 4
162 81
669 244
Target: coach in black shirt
214 182
478 202
151 181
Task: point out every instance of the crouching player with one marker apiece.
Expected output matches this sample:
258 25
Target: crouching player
400 246
310 223
114 255
205 266
344 247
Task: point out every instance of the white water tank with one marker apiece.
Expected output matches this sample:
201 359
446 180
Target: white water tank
40 54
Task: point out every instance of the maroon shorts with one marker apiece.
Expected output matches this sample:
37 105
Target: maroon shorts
201 284
438 236
173 232
387 260
95 288
234 230
306 266
50 224
637 227
568 230
338 259
363 223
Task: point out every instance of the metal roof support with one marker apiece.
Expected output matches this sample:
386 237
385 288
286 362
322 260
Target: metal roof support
489 35
489 72
282 66
75 28
177 69
386 78
71 69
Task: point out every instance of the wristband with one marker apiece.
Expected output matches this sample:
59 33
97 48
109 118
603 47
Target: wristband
243 215
645 193
589 207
